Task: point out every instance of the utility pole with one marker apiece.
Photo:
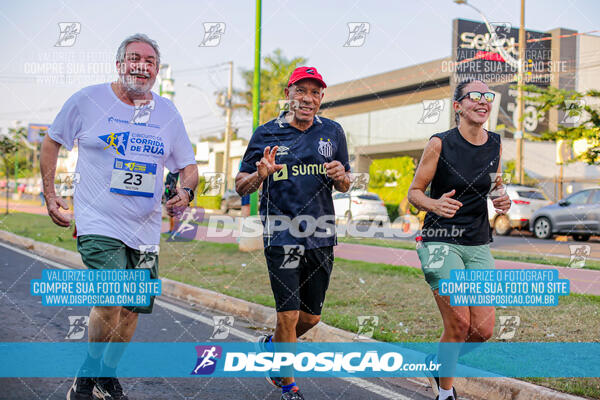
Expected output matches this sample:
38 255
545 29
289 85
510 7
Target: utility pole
520 103
229 109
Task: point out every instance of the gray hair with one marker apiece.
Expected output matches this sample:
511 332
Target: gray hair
138 37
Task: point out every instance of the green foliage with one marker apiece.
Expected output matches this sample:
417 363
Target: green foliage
12 148
392 210
209 202
580 106
510 168
274 75
390 178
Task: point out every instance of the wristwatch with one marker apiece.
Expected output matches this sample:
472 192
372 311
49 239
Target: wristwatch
190 193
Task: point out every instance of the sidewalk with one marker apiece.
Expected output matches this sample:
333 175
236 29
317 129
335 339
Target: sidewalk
582 281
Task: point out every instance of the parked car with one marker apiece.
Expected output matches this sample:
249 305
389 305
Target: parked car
577 215
230 201
359 205
525 200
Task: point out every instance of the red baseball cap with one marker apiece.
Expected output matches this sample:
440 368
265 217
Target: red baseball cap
306 73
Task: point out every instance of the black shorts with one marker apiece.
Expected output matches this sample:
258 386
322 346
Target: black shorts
299 281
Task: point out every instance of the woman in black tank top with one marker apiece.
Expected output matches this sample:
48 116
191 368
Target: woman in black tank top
463 167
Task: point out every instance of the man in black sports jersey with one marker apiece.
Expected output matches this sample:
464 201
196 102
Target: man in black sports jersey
300 157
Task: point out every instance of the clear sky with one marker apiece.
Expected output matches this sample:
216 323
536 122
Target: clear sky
36 77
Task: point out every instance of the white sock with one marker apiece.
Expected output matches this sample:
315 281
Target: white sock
444 394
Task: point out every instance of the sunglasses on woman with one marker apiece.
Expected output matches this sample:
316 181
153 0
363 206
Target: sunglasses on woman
476 96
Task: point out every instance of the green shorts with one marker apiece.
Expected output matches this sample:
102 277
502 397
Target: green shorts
439 258
103 252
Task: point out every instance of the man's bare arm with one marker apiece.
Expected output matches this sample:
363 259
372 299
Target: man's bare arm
48 158
189 177
246 183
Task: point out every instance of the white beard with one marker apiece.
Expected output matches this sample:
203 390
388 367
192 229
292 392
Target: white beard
130 86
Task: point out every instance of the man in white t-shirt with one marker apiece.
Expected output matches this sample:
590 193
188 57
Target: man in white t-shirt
126 135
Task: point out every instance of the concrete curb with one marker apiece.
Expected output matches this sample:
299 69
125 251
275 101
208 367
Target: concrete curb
476 388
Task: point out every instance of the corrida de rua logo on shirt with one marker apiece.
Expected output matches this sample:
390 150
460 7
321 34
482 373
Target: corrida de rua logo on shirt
139 143
116 141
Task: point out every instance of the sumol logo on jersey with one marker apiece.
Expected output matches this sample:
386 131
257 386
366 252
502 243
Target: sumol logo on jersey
117 141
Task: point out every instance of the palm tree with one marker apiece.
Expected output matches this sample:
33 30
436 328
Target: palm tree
274 76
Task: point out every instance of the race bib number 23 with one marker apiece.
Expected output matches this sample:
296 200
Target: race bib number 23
133 178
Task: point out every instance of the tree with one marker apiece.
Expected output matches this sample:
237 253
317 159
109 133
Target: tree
509 168
9 144
582 118
274 76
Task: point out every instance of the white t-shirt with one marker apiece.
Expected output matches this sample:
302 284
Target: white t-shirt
122 153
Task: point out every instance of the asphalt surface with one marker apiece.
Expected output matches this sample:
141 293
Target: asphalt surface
26 320
525 242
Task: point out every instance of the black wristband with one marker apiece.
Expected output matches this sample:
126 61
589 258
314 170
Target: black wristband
190 193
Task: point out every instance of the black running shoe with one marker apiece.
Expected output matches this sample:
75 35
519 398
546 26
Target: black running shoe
108 389
293 394
81 389
262 344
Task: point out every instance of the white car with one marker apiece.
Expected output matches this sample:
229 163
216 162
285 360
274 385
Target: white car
525 201
359 206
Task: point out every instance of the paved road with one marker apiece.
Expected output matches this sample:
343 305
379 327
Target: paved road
26 320
525 242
